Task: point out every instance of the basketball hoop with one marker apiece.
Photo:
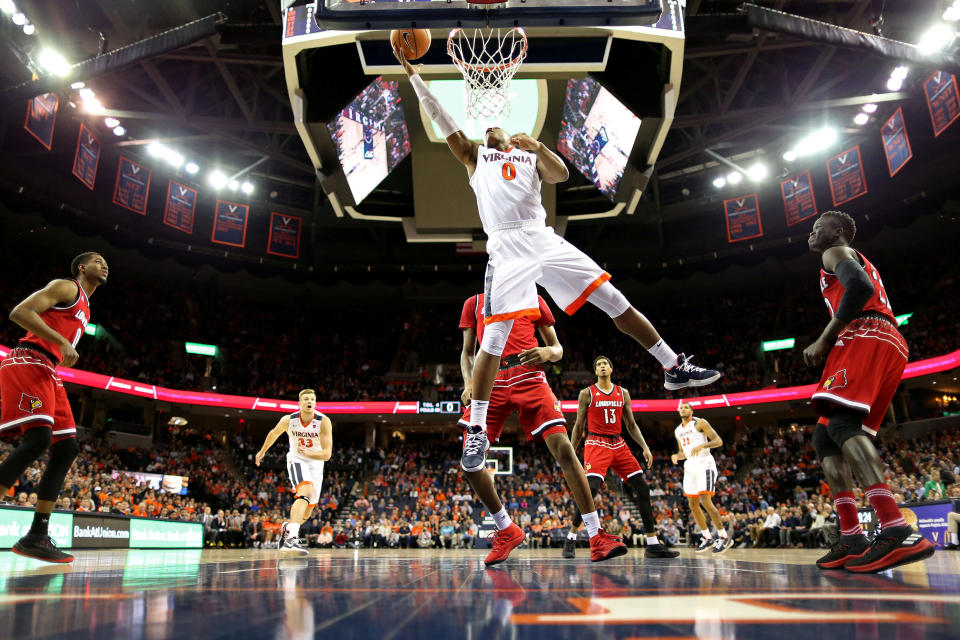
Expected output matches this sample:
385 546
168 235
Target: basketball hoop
488 59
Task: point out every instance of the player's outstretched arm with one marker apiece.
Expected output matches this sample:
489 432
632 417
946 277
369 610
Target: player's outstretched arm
549 164
634 429
713 438
467 357
580 426
27 315
272 436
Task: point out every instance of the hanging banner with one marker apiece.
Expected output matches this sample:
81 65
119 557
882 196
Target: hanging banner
181 204
41 118
87 157
942 100
798 200
896 143
284 237
743 218
845 171
132 187
230 223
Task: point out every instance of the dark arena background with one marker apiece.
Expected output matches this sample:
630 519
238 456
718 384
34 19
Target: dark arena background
279 213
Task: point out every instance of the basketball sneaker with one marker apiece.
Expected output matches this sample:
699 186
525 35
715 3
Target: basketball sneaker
569 549
722 544
475 445
283 535
504 541
40 547
604 546
892 547
846 549
292 544
660 550
686 374
705 544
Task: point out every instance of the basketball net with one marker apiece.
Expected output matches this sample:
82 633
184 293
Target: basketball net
488 59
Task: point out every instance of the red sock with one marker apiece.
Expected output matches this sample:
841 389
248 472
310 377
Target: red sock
846 507
886 507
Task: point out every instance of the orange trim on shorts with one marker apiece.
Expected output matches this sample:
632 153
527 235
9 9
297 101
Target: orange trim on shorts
297 490
574 306
311 506
706 493
500 317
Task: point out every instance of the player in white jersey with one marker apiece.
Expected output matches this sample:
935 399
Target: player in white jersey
505 173
311 443
696 437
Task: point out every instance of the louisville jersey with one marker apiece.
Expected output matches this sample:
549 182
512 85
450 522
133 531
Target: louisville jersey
689 437
833 291
507 186
304 436
522 335
69 321
605 413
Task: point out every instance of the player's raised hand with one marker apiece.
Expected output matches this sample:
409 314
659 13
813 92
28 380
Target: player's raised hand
675 458
259 458
409 68
525 142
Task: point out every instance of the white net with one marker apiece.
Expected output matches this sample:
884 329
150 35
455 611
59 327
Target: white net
488 59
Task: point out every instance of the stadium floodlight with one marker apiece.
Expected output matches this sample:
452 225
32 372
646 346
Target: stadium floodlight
734 177
19 18
8 6
247 187
894 84
952 13
816 141
217 179
936 38
719 182
29 29
758 171
53 62
903 319
778 345
119 131
869 108
155 149
900 72
790 155
192 167
92 105
861 119
200 349
234 185
79 84
90 329
173 157
86 93
110 122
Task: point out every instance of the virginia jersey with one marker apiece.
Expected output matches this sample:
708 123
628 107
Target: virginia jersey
69 321
689 437
507 186
833 291
304 436
605 413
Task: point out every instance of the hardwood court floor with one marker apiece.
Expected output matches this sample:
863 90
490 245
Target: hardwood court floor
442 595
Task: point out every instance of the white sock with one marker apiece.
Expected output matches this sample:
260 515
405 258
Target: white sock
478 413
572 535
722 533
502 519
662 352
706 533
653 540
955 538
592 520
293 529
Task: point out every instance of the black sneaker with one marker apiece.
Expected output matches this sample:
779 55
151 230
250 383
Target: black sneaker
659 550
685 374
569 548
40 547
846 549
705 544
475 445
720 545
892 547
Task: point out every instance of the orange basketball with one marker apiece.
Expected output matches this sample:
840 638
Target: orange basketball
413 43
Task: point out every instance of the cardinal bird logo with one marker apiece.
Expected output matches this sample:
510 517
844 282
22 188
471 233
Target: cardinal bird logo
556 406
29 404
587 467
836 381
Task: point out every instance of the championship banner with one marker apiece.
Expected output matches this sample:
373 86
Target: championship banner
87 157
300 21
181 204
284 235
896 143
942 100
799 202
845 171
230 223
132 187
743 218
41 118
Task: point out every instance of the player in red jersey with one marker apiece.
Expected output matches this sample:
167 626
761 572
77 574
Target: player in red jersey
521 387
604 408
866 356
32 398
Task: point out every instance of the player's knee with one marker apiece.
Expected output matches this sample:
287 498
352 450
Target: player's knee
608 299
65 451
495 337
640 487
595 484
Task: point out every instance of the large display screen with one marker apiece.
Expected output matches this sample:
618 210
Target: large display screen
597 133
156 481
371 137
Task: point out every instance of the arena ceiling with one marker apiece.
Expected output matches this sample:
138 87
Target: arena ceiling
745 95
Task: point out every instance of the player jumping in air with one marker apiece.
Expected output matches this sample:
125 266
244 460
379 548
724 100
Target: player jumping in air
866 356
33 399
311 443
505 173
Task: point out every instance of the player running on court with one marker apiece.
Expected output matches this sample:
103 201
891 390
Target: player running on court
866 356
505 173
521 387
604 409
33 399
311 442
696 437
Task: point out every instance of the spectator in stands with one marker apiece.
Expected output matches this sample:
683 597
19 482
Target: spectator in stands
934 484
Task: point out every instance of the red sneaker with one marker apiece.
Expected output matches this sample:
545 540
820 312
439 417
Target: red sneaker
504 542
604 546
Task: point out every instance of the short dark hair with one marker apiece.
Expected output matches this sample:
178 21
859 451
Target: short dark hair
599 358
83 258
846 222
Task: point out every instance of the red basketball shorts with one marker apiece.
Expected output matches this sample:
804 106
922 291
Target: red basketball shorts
862 372
32 395
522 390
602 453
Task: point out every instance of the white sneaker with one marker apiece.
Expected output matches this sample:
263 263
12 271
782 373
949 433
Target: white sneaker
293 545
705 544
722 544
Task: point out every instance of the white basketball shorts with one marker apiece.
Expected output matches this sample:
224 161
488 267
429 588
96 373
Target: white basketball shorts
699 476
304 471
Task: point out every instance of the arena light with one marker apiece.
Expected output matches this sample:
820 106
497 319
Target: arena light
53 62
76 86
200 349
90 329
217 179
735 177
8 7
155 149
894 84
86 93
903 319
234 185
758 172
247 187
861 119
952 13
790 155
936 38
719 182
778 345
93 106
869 108
119 131
192 167
816 141
19 19
110 123
29 29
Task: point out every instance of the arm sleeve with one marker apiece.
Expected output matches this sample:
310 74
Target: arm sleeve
468 317
448 126
857 289
546 316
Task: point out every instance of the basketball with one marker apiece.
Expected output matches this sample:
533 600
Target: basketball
413 43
